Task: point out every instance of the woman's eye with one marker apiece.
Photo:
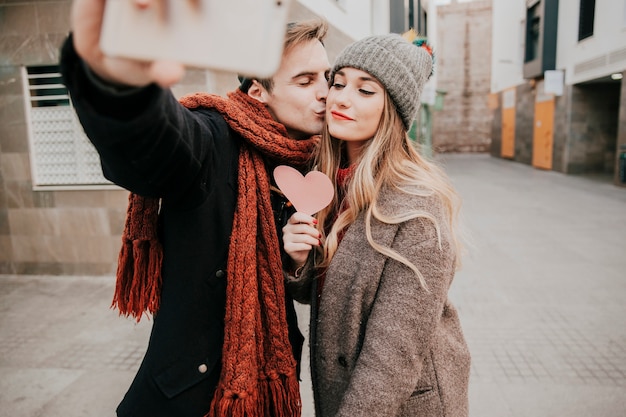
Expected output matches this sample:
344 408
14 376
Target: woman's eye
366 92
337 85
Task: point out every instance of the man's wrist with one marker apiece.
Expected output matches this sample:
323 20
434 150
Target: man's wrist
108 86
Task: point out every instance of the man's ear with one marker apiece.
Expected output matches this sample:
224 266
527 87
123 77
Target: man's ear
258 92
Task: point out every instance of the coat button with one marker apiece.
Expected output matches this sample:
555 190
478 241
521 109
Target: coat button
342 361
202 368
220 273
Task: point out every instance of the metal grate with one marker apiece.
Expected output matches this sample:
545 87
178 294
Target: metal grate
61 154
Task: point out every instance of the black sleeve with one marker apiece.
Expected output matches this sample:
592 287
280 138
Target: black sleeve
148 142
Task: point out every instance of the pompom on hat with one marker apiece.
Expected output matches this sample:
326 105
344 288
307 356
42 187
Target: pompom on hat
402 65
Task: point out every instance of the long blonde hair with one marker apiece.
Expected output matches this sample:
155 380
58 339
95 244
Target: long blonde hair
389 159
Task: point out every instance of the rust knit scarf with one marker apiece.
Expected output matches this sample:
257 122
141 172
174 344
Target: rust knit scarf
258 368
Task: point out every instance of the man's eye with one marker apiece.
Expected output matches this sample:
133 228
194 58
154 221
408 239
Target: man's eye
337 85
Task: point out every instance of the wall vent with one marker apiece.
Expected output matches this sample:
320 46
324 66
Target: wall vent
590 64
617 56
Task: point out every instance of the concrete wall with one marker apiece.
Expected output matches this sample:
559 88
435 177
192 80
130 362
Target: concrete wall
592 129
45 232
507 44
593 57
524 120
463 67
495 148
598 55
562 119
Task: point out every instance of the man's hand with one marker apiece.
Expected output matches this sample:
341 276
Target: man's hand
86 21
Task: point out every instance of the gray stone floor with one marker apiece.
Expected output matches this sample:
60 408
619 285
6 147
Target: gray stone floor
541 296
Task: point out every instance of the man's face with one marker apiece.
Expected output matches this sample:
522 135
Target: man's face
298 98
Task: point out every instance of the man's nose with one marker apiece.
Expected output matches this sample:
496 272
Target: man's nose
322 90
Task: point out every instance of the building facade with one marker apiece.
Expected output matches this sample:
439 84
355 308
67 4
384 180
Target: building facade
462 76
58 215
557 97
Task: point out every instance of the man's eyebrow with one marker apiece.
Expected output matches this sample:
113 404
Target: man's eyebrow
304 74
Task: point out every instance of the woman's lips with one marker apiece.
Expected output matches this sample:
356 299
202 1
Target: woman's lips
340 116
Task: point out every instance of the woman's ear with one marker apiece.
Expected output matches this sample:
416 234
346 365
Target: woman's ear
258 92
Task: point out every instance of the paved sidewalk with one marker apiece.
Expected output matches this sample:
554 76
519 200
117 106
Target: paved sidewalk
541 298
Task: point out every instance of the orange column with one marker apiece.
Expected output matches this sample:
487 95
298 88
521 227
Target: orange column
543 134
508 123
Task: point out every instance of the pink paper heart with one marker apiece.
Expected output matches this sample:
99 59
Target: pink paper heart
308 194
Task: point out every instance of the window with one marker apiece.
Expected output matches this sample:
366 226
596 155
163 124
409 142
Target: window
533 29
541 28
418 17
61 154
585 19
408 14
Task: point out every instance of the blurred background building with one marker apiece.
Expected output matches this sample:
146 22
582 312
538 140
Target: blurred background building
462 120
557 92
529 80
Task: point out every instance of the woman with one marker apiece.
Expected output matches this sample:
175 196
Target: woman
385 339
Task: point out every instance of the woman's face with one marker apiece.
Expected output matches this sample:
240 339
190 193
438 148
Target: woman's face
354 106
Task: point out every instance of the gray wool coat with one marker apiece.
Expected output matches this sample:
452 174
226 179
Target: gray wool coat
381 344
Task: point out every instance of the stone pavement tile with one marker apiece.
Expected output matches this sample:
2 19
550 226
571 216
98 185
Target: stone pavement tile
27 392
541 293
306 387
63 351
93 393
545 400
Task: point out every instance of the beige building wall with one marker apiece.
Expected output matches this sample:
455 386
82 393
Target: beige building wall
463 68
589 115
51 231
47 232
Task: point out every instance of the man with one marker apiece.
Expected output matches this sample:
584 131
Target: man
208 266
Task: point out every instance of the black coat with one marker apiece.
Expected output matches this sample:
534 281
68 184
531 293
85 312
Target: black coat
151 145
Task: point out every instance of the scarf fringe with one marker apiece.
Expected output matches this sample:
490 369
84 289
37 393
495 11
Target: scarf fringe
279 397
138 286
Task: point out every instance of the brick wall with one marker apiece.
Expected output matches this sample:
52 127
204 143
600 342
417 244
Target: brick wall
463 67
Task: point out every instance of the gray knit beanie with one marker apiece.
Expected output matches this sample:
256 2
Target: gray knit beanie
401 66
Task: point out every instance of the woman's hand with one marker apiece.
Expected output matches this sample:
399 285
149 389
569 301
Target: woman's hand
300 236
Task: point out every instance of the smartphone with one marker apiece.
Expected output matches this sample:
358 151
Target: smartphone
241 36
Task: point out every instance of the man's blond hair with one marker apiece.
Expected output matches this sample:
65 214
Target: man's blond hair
297 34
